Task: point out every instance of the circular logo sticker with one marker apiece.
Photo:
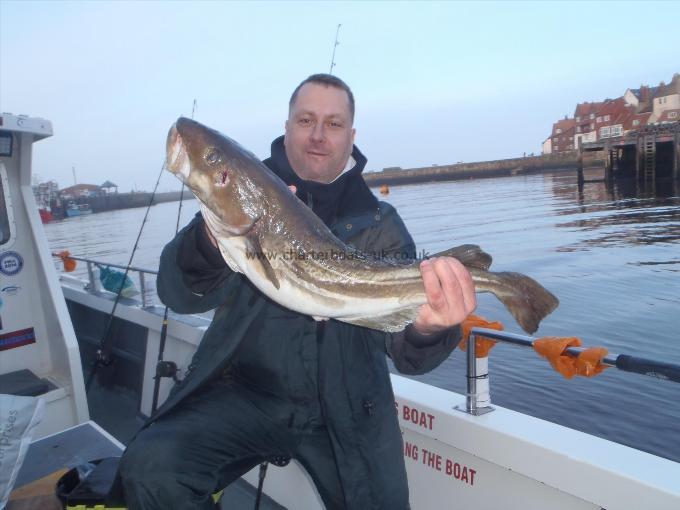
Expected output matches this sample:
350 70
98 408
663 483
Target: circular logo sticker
11 263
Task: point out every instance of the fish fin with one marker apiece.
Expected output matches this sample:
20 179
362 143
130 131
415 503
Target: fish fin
526 299
259 257
470 255
391 323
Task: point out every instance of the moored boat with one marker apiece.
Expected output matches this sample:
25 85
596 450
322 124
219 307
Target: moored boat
74 209
45 215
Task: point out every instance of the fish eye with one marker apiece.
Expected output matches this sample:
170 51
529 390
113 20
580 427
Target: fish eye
213 156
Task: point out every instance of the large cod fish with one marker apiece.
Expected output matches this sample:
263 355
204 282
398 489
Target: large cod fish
265 232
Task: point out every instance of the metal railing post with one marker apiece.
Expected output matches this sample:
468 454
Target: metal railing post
142 287
477 397
94 284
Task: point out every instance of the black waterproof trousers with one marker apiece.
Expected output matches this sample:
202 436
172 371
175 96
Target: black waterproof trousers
218 434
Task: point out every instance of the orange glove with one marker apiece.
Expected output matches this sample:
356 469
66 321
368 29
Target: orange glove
69 263
587 363
482 345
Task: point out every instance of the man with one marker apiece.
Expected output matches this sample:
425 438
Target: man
267 382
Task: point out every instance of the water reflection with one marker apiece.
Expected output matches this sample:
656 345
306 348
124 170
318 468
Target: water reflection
624 212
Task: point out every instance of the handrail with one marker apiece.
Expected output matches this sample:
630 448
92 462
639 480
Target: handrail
94 284
109 264
477 400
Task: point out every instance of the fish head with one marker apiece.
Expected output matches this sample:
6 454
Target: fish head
219 173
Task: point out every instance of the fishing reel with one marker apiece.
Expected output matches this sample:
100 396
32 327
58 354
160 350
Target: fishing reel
167 369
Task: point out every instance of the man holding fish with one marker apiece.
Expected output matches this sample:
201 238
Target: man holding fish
288 369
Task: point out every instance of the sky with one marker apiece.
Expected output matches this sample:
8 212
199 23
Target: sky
434 82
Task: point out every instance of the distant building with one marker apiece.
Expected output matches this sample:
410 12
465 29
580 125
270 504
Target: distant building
45 193
615 117
80 191
562 137
108 187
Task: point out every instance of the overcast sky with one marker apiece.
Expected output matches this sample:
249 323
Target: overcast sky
434 82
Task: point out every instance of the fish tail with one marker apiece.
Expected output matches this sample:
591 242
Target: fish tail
526 299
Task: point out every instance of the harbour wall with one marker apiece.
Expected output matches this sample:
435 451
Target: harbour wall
482 169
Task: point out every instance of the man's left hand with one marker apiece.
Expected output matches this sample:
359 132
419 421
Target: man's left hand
450 295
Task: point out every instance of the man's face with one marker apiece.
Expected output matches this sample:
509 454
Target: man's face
319 132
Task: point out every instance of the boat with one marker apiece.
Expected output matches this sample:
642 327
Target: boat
459 449
45 214
73 209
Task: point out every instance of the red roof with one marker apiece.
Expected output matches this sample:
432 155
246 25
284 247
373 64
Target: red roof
563 124
642 118
617 110
667 117
585 109
79 189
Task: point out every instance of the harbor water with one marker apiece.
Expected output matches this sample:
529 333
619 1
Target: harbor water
611 254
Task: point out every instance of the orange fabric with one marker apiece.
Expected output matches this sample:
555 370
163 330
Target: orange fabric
587 363
482 345
552 348
69 263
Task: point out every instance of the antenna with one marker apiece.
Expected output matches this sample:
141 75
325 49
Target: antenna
193 109
337 32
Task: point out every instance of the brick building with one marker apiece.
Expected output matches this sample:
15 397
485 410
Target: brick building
615 117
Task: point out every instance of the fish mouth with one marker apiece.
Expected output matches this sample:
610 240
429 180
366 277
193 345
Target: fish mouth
176 157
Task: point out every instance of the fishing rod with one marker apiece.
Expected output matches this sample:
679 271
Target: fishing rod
103 356
167 368
335 45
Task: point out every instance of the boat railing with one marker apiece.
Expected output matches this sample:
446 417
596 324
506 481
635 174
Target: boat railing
94 285
477 400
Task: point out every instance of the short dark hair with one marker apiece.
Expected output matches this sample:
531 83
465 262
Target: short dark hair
330 81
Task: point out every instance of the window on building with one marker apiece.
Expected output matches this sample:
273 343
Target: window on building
559 131
599 119
607 118
578 129
617 130
672 115
592 116
592 127
604 132
636 122
578 119
5 222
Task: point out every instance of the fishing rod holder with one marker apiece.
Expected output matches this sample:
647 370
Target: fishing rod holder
477 397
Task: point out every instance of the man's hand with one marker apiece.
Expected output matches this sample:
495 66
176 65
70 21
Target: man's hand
450 295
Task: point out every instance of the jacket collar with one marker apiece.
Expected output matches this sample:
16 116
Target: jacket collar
348 195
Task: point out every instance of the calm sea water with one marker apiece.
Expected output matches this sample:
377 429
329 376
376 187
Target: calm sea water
612 256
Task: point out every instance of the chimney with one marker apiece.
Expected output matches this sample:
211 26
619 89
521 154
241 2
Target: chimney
644 93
